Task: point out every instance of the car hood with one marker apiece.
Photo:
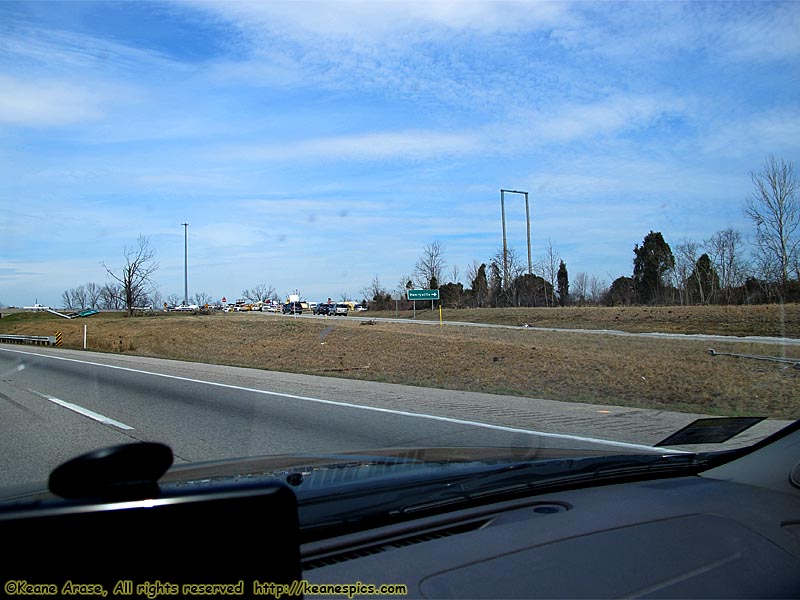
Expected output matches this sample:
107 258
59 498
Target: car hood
321 471
309 473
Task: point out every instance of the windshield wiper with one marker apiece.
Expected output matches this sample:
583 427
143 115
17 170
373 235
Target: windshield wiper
520 478
367 506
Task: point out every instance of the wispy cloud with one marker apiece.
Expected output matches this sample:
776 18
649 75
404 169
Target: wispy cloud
618 114
315 144
754 34
766 132
404 145
57 49
373 21
39 103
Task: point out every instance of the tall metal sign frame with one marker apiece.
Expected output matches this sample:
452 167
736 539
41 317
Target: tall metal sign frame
505 243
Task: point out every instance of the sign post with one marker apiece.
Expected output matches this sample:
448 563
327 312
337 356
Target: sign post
396 296
415 295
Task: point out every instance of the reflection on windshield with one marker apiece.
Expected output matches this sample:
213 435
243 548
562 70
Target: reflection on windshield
276 230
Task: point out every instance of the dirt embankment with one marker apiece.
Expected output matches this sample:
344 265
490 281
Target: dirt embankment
772 320
653 373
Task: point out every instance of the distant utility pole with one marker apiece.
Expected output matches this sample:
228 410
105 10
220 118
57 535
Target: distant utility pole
185 264
505 244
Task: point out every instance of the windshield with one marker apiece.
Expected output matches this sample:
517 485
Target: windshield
323 232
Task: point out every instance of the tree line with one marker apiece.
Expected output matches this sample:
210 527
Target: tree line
723 269
131 286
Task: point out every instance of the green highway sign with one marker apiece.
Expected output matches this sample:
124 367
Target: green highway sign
423 294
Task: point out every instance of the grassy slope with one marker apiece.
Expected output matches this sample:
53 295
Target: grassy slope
668 374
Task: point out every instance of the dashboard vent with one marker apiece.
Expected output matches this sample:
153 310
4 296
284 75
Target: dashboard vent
417 538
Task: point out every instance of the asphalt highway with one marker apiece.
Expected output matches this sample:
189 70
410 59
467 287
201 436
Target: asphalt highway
56 404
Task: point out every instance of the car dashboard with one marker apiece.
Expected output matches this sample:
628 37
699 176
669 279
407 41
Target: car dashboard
731 530
678 537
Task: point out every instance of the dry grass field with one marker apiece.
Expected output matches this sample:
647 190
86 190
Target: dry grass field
672 374
761 320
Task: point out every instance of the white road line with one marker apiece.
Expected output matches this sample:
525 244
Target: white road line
560 436
89 413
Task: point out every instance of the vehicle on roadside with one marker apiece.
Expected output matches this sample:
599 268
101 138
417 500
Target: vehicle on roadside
185 308
295 308
322 309
340 310
361 307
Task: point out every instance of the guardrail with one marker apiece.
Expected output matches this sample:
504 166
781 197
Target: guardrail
42 340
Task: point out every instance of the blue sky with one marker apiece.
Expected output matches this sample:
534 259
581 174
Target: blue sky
313 146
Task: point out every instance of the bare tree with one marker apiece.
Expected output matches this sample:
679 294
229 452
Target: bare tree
549 264
508 291
92 295
156 299
455 274
685 260
726 250
580 287
375 290
134 277
430 265
174 300
202 298
66 299
376 294
75 298
775 211
80 297
405 283
597 289
111 296
83 296
472 270
259 293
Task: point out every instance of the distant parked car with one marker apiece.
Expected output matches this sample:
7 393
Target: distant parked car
340 309
322 309
293 308
186 307
360 308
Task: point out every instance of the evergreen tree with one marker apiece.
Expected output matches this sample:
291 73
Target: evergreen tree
563 284
620 293
495 284
480 286
703 282
533 290
652 261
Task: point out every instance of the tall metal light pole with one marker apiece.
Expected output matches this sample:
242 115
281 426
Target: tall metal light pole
505 245
185 264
